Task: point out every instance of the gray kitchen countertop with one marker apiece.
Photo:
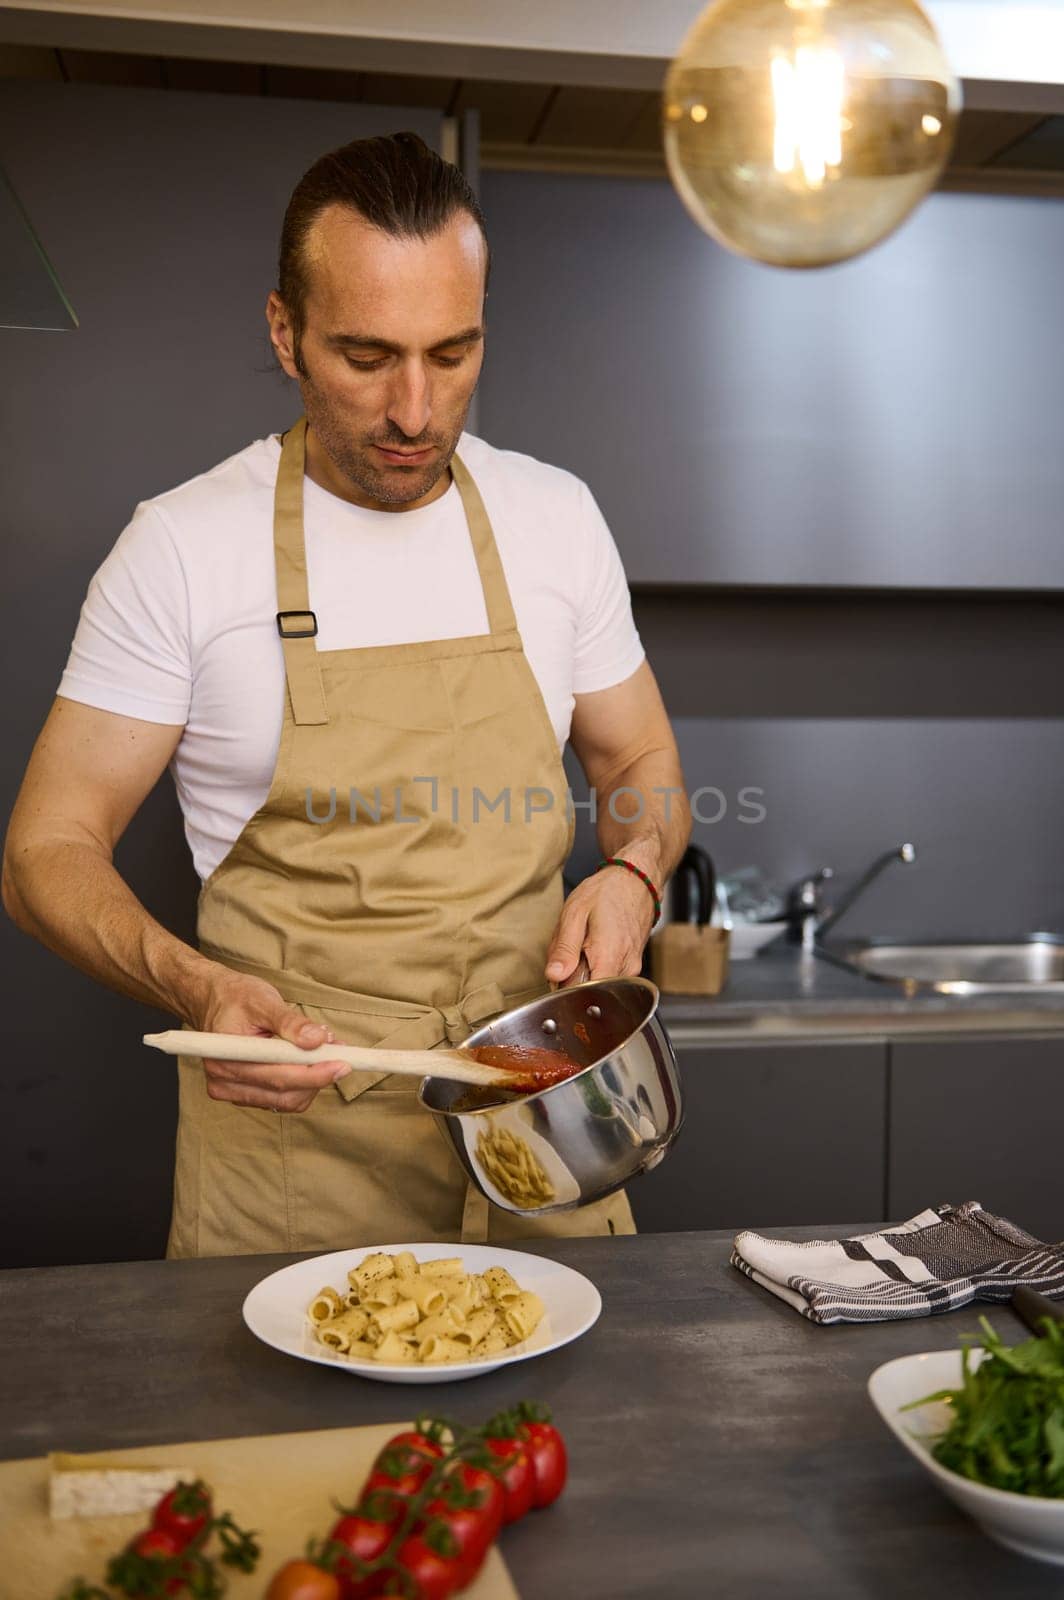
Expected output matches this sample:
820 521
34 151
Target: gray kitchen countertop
791 991
720 1445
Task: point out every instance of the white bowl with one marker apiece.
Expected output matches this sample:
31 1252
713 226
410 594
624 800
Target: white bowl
275 1309
1027 1523
747 938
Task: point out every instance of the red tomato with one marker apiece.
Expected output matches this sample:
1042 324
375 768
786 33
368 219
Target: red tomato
302 1580
366 1540
472 1536
184 1511
414 1441
471 1540
550 1463
156 1545
474 1524
386 1497
518 1480
403 1464
492 1501
435 1576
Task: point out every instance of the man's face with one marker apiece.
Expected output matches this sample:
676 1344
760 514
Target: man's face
391 349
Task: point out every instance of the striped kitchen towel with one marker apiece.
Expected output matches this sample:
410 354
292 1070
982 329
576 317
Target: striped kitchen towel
938 1261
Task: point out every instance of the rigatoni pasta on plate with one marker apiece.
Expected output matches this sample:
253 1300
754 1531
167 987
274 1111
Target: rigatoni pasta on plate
396 1309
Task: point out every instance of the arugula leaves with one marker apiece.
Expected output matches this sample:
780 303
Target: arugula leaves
1008 1417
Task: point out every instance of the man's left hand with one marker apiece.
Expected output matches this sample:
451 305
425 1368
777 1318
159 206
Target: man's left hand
607 919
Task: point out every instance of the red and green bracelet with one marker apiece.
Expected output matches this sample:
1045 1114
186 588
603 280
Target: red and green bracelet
630 866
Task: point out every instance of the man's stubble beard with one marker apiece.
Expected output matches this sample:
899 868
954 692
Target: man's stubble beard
355 463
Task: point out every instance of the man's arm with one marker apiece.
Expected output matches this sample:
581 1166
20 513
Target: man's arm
624 741
88 775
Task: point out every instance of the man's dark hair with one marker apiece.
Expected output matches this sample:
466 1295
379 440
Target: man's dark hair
395 181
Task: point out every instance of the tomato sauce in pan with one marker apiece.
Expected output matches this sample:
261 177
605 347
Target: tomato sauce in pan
533 1067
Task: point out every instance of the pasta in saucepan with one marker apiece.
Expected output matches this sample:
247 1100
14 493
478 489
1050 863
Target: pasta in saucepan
398 1309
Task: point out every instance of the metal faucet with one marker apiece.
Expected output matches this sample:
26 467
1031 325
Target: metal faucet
806 913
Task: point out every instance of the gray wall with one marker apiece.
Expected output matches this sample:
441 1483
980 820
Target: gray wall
895 420
161 213
977 797
869 720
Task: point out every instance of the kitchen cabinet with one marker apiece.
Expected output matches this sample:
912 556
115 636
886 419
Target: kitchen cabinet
774 1135
874 426
979 1119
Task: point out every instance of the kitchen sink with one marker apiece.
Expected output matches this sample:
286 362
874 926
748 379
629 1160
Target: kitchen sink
957 966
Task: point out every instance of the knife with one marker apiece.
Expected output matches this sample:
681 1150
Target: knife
1030 1307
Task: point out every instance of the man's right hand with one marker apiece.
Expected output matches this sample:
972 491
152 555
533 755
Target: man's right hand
235 1002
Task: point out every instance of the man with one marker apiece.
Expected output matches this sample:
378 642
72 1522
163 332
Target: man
362 645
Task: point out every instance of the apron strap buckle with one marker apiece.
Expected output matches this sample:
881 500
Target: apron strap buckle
296 633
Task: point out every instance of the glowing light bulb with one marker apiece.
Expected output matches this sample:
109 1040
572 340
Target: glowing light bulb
801 132
807 96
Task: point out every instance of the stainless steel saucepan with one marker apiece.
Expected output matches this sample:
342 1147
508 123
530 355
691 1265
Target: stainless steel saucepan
587 1136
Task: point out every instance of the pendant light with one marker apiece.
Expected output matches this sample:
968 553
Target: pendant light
801 132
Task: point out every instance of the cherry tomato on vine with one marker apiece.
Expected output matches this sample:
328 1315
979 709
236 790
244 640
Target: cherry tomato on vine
486 1493
436 1576
472 1536
365 1539
403 1464
550 1463
184 1511
156 1544
302 1580
470 1504
412 1439
150 1551
518 1480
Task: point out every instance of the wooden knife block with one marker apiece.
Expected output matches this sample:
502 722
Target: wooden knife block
689 958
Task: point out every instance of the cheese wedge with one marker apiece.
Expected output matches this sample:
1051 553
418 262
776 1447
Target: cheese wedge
100 1486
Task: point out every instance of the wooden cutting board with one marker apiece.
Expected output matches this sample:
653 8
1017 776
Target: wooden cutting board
282 1485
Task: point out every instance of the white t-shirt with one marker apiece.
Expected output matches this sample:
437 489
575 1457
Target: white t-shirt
178 625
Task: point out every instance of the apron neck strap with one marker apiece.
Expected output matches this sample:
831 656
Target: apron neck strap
497 601
296 622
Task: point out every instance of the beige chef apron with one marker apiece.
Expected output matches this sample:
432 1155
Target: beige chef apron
400 883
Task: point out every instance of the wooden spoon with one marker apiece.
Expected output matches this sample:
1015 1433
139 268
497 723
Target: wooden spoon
493 1066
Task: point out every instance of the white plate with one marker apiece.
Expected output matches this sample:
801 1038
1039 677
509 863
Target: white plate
1027 1523
275 1310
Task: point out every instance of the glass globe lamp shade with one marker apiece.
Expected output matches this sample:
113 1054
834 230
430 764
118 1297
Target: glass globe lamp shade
801 132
